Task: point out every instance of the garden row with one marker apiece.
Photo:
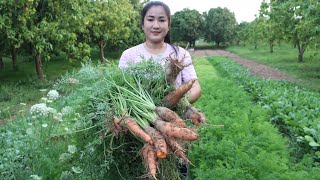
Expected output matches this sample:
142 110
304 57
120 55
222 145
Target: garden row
248 146
295 110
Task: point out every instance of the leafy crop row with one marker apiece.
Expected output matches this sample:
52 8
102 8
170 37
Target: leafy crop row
295 110
248 146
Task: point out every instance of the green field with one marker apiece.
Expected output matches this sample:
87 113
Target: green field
247 146
285 58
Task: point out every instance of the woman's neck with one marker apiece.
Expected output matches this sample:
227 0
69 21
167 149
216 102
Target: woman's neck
155 48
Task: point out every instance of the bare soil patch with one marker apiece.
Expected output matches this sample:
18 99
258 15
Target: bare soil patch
255 68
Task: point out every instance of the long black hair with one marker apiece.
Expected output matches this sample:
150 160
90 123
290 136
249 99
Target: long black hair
166 8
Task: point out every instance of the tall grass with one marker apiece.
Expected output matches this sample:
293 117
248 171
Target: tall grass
285 58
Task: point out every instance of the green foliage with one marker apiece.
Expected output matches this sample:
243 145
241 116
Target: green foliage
294 110
248 146
107 22
220 25
296 21
242 33
187 26
70 136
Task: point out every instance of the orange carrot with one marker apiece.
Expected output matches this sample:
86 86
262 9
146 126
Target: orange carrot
137 130
195 115
168 115
173 98
134 128
149 158
174 131
159 142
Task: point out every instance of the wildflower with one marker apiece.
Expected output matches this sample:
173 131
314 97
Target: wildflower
76 169
58 117
36 177
64 157
53 94
44 99
44 125
67 130
38 109
41 109
72 149
66 110
29 131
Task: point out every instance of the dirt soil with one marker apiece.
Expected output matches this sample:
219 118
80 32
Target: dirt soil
255 68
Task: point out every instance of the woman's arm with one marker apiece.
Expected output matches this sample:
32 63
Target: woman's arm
195 92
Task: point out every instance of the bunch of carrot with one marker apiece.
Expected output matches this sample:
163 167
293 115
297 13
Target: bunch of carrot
159 127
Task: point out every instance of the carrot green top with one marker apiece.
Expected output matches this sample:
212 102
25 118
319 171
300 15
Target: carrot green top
139 53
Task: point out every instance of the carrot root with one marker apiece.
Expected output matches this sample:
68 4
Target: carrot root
149 158
158 141
174 131
173 67
194 115
137 130
168 115
173 98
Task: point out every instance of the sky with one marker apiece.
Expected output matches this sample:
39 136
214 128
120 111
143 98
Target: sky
244 10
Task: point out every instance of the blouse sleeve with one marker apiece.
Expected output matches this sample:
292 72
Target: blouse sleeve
124 59
188 73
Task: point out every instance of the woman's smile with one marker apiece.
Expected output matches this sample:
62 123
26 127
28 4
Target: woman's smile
156 25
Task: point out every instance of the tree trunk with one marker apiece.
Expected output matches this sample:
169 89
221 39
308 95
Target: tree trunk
102 44
271 46
300 57
14 57
38 66
1 63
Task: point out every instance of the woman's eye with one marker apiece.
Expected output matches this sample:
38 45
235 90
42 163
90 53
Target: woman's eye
149 19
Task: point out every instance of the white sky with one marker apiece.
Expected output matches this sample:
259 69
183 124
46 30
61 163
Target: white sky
244 10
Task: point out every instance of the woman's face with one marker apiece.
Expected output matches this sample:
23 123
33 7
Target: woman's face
156 24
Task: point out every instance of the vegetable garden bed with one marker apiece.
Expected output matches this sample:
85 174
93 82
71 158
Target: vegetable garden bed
71 144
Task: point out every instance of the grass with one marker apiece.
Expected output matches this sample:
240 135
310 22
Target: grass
19 89
285 58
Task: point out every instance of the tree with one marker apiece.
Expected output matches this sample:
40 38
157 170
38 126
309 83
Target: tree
187 26
255 32
220 25
108 21
13 24
242 33
299 21
271 30
54 27
135 33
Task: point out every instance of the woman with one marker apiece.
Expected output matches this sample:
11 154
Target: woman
156 25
